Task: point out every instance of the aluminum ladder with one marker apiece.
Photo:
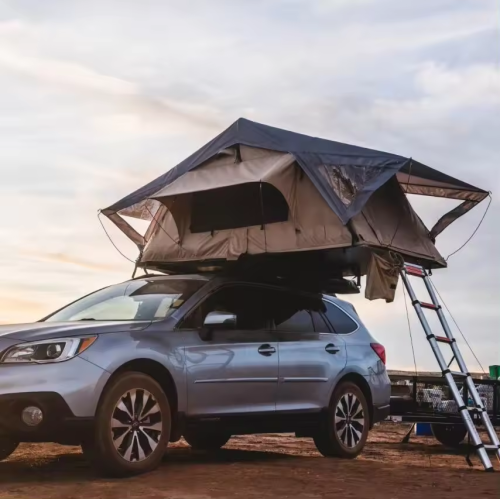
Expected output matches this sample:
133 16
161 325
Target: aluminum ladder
434 340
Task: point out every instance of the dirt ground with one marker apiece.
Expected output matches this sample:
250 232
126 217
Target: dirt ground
263 466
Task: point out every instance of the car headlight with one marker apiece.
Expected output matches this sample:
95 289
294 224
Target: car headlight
48 351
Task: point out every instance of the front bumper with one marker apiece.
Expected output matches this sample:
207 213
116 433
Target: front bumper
77 382
59 424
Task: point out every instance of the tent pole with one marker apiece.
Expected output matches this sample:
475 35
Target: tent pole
136 266
263 226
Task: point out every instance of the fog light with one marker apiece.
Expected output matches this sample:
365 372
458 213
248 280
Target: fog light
32 416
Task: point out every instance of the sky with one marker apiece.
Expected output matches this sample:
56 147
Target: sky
99 97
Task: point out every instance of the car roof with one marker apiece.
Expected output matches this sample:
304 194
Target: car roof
237 279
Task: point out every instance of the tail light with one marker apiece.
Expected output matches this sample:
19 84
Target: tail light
379 350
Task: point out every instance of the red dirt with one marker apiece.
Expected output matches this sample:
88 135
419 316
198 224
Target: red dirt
260 466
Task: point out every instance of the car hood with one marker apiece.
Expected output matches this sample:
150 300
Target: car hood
12 334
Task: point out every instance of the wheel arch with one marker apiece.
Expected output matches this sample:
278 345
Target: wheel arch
160 374
361 382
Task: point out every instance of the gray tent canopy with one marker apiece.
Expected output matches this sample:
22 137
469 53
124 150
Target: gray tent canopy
256 189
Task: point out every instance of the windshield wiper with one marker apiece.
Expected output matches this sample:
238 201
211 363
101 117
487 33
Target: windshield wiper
94 319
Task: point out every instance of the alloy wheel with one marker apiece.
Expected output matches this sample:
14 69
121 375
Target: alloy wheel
136 425
349 420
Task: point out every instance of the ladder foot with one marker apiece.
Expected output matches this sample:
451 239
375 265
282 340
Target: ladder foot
406 439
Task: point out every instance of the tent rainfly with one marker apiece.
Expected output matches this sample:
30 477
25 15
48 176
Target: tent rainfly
256 189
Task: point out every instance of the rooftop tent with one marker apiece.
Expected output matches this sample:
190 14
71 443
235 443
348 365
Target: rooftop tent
259 190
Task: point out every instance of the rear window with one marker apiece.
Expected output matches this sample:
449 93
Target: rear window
341 323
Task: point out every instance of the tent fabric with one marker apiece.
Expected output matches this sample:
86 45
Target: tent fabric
382 278
387 221
416 178
222 173
344 175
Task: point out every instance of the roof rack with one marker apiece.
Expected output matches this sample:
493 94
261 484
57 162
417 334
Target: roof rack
142 276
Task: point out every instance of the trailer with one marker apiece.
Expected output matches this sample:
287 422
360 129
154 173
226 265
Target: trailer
428 399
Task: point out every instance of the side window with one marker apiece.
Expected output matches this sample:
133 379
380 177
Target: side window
320 325
299 322
341 323
194 320
247 304
293 312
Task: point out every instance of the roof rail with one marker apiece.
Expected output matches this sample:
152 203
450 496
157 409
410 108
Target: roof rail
142 276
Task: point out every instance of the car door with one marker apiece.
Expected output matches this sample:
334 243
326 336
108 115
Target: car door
311 357
232 367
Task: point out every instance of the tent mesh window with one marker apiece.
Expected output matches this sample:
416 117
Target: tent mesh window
347 180
232 207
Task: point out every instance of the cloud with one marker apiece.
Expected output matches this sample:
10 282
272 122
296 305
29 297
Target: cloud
96 104
65 74
472 85
158 114
15 308
62 258
444 92
24 304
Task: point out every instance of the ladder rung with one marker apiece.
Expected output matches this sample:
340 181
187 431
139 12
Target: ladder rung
491 447
414 271
427 305
446 340
471 412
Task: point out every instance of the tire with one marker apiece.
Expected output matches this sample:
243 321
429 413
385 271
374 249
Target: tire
340 435
129 449
450 435
204 441
7 447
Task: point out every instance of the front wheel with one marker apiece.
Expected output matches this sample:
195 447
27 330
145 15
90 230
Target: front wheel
132 427
345 427
7 447
199 440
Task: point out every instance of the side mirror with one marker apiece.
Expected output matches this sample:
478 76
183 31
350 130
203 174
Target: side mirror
217 320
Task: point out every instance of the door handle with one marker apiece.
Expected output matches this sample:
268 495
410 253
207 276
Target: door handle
266 350
331 349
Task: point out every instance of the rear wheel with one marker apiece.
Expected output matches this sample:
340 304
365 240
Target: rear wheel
345 427
7 447
199 440
132 427
449 434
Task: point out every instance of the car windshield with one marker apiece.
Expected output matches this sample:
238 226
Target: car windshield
138 300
